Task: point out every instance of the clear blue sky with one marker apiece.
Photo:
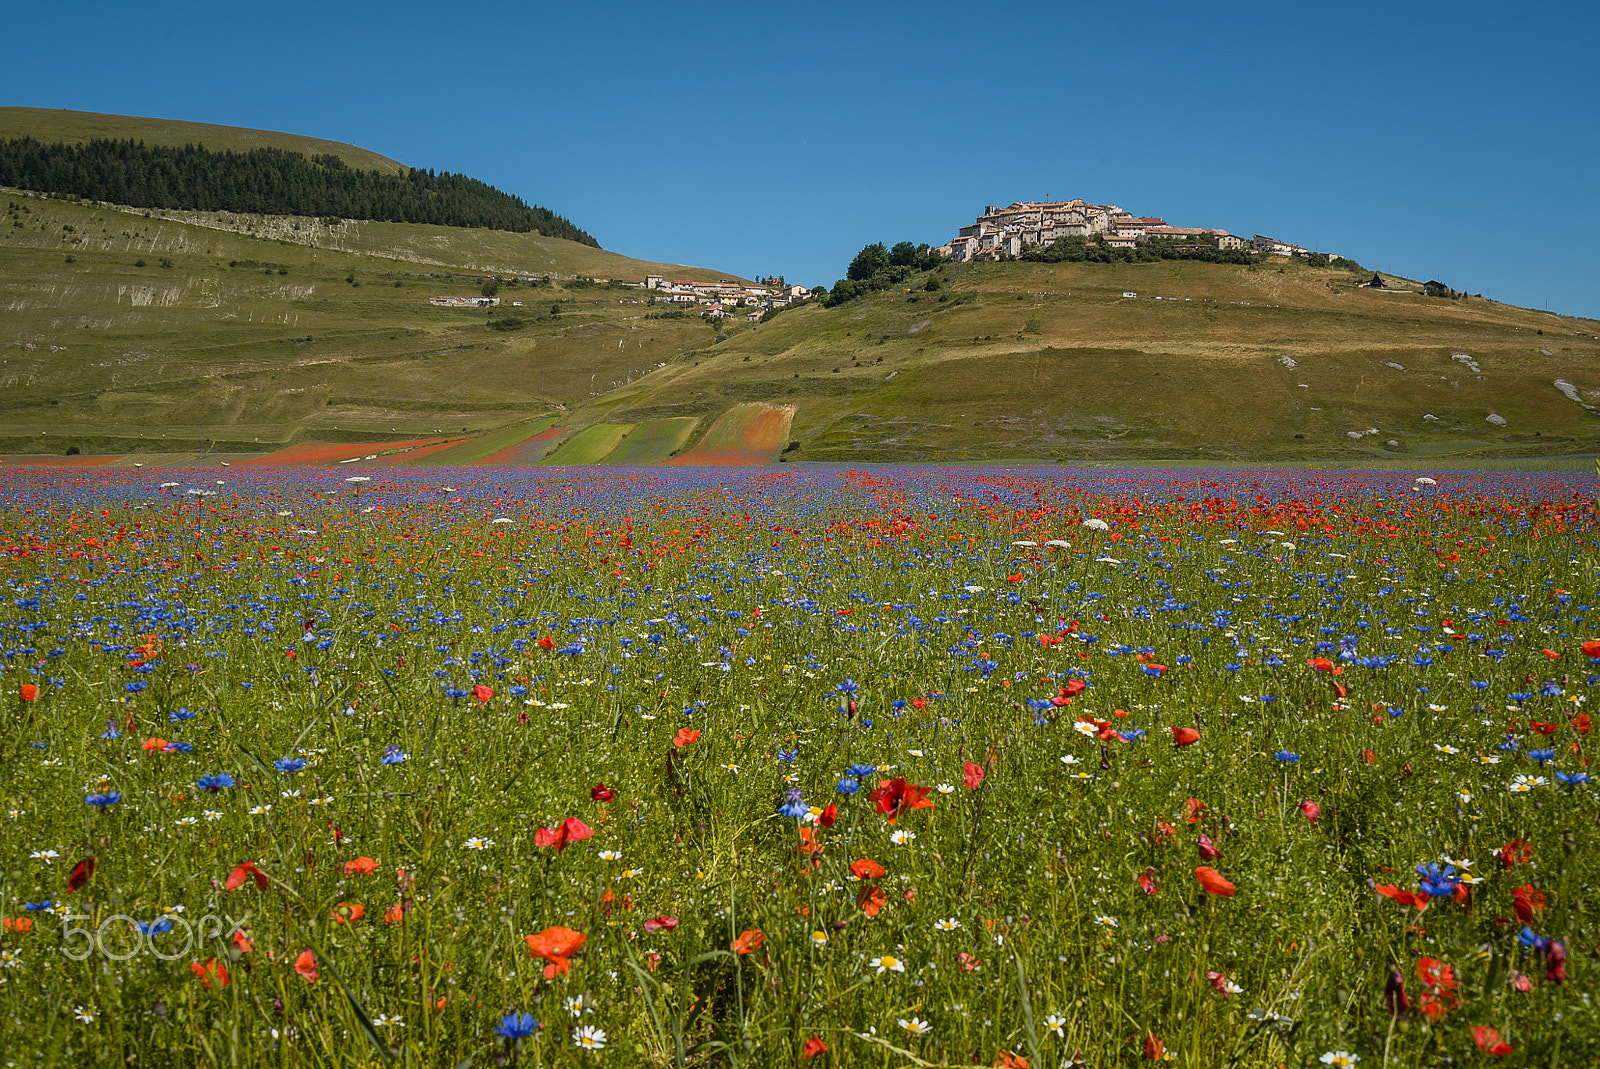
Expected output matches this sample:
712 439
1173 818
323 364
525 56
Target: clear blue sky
1459 142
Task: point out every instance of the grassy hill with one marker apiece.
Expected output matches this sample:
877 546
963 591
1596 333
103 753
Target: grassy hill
125 330
172 334
1031 362
77 127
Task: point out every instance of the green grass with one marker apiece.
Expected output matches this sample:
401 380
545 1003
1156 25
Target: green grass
590 445
653 442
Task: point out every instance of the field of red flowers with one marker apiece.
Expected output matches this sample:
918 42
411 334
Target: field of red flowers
742 767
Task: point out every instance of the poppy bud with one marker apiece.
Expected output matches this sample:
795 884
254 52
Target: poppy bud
601 793
829 816
850 709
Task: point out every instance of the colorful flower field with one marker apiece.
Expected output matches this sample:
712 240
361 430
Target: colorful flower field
812 767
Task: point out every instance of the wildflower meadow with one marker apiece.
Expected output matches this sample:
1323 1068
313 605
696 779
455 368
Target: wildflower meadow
902 767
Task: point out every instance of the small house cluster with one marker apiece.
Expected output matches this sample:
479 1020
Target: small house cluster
464 302
722 297
1003 232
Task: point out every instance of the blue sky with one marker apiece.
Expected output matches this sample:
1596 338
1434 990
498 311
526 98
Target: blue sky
1456 142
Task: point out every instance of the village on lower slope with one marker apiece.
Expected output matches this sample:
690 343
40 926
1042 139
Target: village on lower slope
1003 232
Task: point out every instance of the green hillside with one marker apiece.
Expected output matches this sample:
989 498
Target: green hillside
1037 362
122 330
79 127
177 333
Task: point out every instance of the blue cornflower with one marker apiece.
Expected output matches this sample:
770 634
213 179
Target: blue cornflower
860 771
1542 756
1509 744
181 714
214 783
848 786
1132 736
111 731
1529 939
794 806
100 801
180 747
155 927
289 764
1573 779
788 755
37 907
516 1025
39 745
1438 882
393 755
1288 757
899 703
849 686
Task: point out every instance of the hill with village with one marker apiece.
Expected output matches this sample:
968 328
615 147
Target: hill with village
1042 332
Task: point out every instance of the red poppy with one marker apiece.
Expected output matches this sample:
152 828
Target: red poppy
601 793
895 796
1516 852
570 830
306 966
1007 1060
1153 1050
829 816
556 945
867 869
1196 810
1528 900
18 924
482 693
872 900
82 873
1580 723
1184 737
660 924
348 912
749 941
212 969
29 692
1543 729
361 866
1440 995
1311 811
973 775
1148 882
1552 654
245 870
1488 1040
394 915
813 1048
685 737
1404 897
1213 881
1592 648
546 643
1208 849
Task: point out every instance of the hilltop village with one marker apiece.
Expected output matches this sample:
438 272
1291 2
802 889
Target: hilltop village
1002 233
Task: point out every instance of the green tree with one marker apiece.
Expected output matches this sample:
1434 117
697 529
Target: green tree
868 262
490 287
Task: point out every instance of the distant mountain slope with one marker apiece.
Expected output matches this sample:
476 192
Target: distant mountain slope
78 127
270 181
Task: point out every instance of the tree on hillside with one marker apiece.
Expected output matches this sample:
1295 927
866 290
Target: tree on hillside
868 262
